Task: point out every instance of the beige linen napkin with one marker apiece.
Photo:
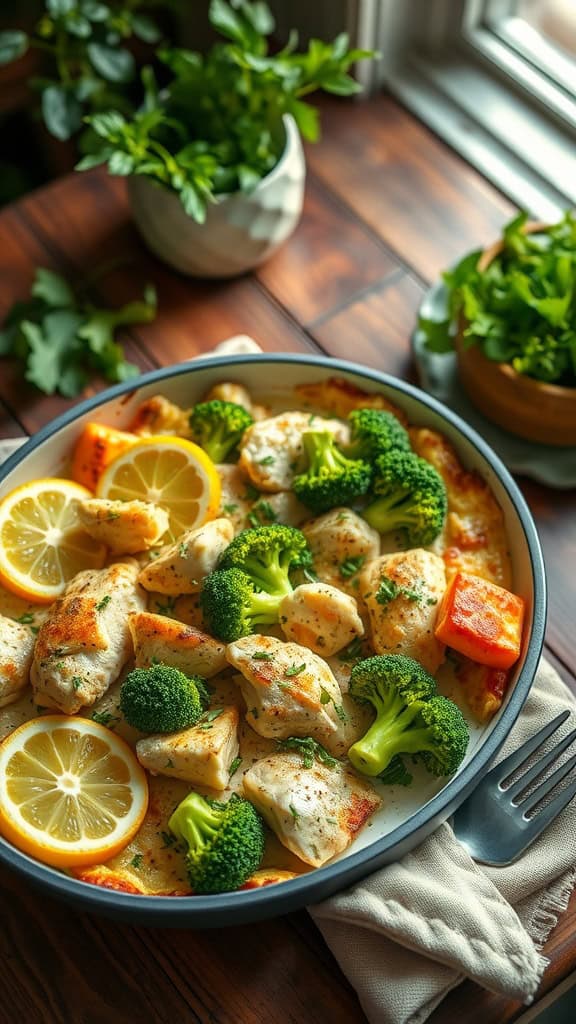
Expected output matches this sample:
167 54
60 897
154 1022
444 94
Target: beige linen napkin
411 932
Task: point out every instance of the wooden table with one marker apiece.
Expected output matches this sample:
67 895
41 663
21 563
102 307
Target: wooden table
387 207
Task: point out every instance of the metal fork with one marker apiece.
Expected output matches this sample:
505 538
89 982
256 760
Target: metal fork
495 823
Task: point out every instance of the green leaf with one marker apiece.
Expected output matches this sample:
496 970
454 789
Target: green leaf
260 17
61 111
437 334
93 160
94 11
227 22
307 118
248 177
113 64
72 381
78 26
52 288
108 124
51 345
13 44
340 83
121 163
193 203
145 28
59 8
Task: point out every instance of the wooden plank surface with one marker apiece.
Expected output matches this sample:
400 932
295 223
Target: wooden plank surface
387 207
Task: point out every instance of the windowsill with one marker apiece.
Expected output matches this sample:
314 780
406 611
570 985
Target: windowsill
527 155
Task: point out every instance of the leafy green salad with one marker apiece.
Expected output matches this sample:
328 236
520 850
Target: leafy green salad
521 309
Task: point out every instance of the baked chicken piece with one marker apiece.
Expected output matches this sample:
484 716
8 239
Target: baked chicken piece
230 391
340 396
288 690
201 755
282 507
474 535
16 648
125 527
401 592
181 567
237 496
157 638
270 449
320 617
85 641
341 543
315 812
159 416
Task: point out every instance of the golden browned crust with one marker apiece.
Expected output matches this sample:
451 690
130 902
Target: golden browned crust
474 537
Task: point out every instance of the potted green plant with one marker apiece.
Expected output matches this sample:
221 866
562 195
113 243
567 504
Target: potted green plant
512 322
213 157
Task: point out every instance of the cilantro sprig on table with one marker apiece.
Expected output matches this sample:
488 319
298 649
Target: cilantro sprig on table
521 310
216 126
62 337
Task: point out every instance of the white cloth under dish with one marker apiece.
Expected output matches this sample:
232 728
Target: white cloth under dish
411 932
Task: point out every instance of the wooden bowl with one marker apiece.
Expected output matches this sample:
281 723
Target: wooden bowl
521 405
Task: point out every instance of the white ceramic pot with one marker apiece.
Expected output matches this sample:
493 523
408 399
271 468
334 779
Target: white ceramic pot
241 229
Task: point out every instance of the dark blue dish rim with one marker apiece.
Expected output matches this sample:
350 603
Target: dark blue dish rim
293 894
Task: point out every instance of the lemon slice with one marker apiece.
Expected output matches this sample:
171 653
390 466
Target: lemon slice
71 792
42 541
169 471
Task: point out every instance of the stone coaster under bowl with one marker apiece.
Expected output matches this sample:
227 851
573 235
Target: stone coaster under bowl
438 375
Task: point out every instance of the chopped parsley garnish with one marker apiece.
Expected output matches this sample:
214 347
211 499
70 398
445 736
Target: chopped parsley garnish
254 712
183 549
77 682
169 763
112 515
26 619
229 509
136 861
339 709
262 513
166 609
103 603
293 812
251 493
351 653
350 566
309 750
268 460
295 670
104 717
389 590
325 697
234 766
262 656
167 839
209 717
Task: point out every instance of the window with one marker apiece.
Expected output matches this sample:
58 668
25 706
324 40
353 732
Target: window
495 78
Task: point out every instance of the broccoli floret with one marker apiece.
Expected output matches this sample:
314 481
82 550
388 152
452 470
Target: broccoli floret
396 686
218 427
439 736
411 497
410 718
162 699
331 478
375 432
233 607
267 554
225 841
252 578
